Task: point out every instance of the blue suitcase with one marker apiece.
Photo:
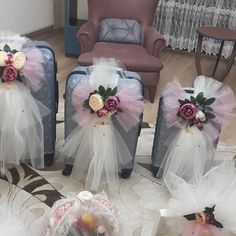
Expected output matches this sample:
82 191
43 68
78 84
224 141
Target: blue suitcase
162 134
130 138
48 96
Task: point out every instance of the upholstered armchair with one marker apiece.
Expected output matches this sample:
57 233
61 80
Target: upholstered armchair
122 29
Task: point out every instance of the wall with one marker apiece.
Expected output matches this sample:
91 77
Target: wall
82 9
26 16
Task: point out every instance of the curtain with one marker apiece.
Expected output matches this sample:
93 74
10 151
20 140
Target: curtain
178 20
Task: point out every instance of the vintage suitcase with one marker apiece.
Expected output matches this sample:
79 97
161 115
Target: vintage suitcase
48 96
162 137
130 138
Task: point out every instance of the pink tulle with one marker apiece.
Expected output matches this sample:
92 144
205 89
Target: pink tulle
196 229
171 95
33 70
131 104
224 105
81 93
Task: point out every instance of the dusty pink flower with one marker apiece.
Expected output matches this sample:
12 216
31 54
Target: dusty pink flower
103 112
9 74
188 111
9 58
112 103
199 125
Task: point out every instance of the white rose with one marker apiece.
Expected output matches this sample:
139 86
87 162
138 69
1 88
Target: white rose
96 102
200 116
19 60
3 58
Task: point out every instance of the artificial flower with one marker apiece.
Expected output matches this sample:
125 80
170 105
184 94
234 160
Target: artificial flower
19 60
3 58
9 58
200 115
188 111
112 103
103 112
9 74
96 102
197 110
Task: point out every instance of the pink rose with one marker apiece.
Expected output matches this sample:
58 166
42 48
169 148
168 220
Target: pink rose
199 125
188 111
9 74
9 58
103 112
112 103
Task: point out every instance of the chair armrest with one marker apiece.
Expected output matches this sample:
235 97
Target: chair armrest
87 36
154 42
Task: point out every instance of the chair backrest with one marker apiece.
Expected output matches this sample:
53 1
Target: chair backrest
140 10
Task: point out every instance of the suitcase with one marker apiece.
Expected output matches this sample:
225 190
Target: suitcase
162 133
130 137
48 96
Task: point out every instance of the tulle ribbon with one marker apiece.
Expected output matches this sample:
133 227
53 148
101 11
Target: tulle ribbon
191 152
97 146
21 125
197 229
215 191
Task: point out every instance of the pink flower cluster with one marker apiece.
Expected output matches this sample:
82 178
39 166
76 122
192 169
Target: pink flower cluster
111 105
9 72
10 64
195 117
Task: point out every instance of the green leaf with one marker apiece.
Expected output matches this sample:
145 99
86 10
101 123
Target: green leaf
193 100
101 90
182 102
108 91
191 123
114 91
210 115
86 104
209 101
118 109
187 101
14 51
20 78
6 48
208 109
199 97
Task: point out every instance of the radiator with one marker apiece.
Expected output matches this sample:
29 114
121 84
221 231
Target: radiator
25 16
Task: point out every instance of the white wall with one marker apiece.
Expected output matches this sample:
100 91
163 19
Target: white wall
25 16
82 9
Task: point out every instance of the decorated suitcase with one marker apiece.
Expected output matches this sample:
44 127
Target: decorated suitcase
130 137
162 138
48 96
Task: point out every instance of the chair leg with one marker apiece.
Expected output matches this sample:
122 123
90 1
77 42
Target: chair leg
152 93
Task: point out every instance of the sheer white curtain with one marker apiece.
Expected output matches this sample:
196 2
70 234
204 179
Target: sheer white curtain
178 20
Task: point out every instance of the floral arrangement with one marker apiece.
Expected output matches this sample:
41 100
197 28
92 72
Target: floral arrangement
11 62
103 101
196 111
84 214
205 217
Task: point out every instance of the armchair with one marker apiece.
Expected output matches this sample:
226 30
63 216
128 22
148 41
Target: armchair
142 57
